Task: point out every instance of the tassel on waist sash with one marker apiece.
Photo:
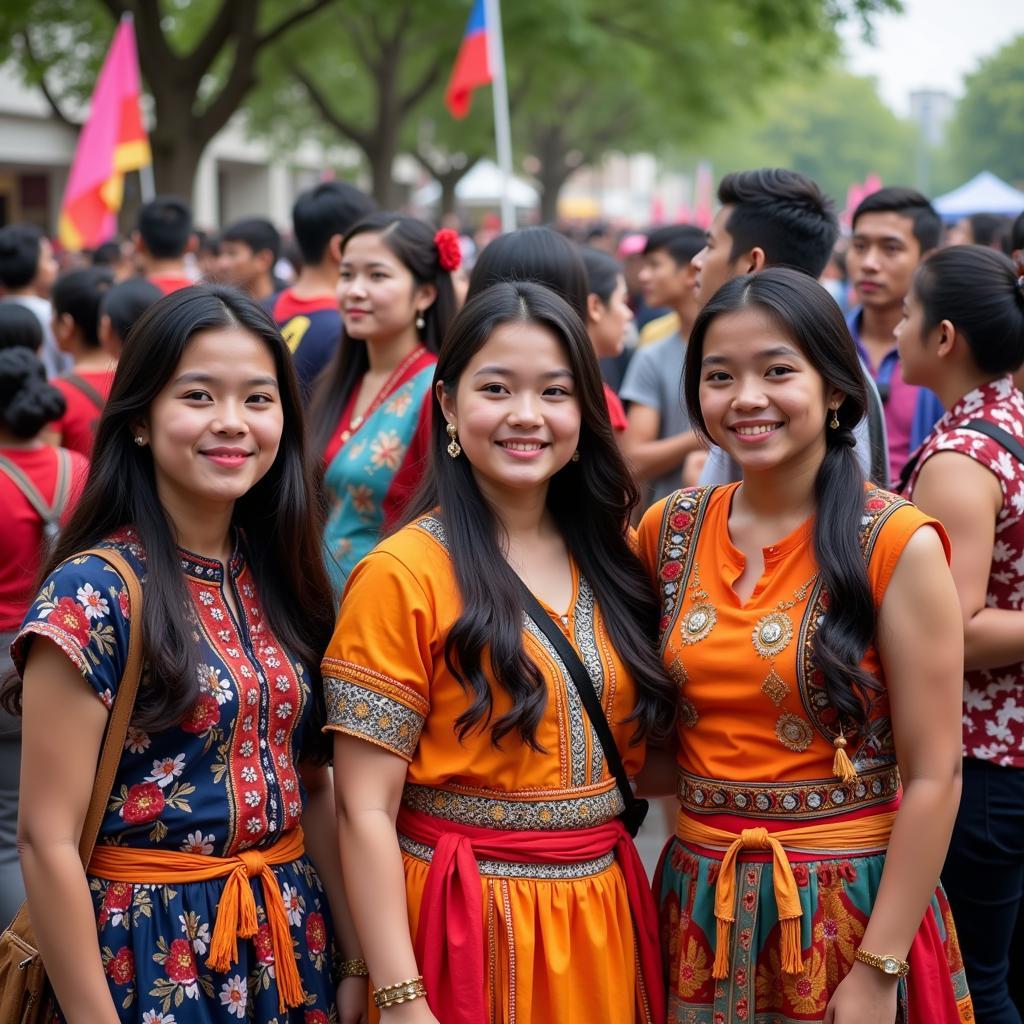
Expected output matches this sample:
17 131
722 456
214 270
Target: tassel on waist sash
450 939
236 910
849 834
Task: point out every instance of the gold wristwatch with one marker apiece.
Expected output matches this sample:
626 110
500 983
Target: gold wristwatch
891 965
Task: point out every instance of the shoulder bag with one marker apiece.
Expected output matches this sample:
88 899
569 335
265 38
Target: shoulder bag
23 987
635 808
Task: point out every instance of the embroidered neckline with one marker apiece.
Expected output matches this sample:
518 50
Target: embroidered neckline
211 570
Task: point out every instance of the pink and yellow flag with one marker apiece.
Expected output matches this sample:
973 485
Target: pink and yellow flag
112 142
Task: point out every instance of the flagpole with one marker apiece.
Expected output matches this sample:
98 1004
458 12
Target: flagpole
147 185
502 123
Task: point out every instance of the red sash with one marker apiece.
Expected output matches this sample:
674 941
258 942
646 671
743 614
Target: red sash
450 939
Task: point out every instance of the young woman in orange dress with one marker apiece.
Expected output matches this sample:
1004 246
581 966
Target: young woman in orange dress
490 876
811 624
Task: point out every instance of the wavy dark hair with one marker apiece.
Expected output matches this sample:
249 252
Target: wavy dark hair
808 315
412 242
977 290
590 501
278 518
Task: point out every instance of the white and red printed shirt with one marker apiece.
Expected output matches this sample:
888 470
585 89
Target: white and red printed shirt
993 698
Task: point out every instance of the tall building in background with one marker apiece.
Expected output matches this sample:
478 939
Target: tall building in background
931 111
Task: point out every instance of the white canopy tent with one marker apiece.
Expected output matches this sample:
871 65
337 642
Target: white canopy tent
984 193
481 187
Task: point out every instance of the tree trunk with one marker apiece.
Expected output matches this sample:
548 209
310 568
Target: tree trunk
551 151
175 160
448 182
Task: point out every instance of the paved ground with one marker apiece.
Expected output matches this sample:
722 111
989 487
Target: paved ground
657 828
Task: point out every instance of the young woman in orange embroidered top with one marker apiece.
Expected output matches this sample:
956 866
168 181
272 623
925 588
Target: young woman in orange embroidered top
479 830
804 617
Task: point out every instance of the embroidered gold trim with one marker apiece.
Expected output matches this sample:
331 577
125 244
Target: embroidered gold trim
772 634
353 709
775 688
516 869
580 811
807 799
793 732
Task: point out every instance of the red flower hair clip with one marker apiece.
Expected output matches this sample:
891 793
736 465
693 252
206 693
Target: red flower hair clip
449 253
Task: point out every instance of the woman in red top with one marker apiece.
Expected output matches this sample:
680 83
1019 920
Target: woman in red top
53 477
76 316
962 336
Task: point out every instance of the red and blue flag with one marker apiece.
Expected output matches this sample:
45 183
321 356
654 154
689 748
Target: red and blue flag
472 65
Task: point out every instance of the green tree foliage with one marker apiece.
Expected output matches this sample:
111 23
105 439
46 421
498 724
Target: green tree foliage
831 125
197 57
987 132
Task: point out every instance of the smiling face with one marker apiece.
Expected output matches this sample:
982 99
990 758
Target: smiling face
762 400
214 429
516 410
379 297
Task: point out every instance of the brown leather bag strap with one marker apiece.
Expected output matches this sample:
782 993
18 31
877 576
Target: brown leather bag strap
121 713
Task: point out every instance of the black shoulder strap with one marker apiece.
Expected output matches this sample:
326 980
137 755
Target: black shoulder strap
636 809
1000 436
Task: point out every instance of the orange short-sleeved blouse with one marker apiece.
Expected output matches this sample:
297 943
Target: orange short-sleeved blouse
387 682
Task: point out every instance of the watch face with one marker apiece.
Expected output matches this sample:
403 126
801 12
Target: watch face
890 966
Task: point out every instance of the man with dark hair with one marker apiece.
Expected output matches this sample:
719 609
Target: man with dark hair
893 230
27 272
987 229
163 236
249 249
658 439
307 312
768 218
772 217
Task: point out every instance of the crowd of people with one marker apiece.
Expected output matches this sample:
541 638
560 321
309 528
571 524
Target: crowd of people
434 567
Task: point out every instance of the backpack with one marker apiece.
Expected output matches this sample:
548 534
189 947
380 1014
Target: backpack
49 514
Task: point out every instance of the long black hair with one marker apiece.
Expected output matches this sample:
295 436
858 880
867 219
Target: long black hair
278 518
806 313
412 242
590 501
978 291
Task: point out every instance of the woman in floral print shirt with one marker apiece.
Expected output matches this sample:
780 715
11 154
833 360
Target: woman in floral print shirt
200 481
371 405
963 336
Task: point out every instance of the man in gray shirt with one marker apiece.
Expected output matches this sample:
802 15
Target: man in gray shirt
658 439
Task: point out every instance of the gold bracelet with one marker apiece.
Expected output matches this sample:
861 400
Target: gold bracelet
352 969
401 992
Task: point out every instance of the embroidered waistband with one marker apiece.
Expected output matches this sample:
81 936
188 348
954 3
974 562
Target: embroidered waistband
807 799
516 869
581 810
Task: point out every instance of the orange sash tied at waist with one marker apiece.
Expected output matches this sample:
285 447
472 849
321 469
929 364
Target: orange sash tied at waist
236 909
450 937
850 834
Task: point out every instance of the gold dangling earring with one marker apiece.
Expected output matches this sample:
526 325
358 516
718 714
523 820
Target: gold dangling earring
834 422
454 448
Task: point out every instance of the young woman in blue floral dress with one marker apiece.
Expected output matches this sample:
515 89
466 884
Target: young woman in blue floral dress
200 480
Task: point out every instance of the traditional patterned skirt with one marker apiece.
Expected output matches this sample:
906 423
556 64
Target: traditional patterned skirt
154 940
556 933
836 893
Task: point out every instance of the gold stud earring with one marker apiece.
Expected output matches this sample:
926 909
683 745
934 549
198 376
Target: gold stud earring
834 422
140 440
420 322
576 456
454 448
